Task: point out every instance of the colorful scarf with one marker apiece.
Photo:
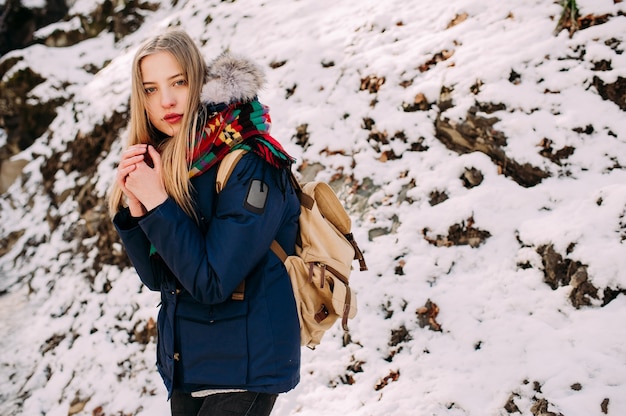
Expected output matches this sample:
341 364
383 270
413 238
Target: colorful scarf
243 126
232 127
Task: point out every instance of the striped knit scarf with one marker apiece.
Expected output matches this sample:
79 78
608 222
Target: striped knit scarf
233 127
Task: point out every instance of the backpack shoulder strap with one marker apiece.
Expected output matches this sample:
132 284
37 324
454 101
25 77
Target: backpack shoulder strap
305 199
279 251
226 167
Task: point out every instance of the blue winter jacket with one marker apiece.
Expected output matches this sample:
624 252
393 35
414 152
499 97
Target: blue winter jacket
205 338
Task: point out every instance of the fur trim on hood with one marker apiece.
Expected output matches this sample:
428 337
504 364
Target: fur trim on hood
232 78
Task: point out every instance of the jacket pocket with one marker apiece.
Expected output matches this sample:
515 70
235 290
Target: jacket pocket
213 342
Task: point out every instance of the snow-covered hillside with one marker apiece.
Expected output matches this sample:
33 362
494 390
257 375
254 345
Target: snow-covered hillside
481 156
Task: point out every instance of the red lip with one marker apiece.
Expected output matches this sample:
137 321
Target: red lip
173 118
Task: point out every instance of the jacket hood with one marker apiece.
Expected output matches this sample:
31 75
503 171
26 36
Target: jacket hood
232 78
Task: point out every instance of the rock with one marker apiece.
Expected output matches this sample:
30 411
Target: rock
10 170
7 243
554 268
579 277
420 103
604 406
19 23
610 294
559 271
510 405
399 335
437 197
119 18
556 156
22 119
471 177
301 137
380 231
615 92
476 134
540 408
459 235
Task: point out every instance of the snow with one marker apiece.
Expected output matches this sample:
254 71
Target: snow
66 332
33 4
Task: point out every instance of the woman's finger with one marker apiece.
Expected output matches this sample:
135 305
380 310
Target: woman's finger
152 158
135 149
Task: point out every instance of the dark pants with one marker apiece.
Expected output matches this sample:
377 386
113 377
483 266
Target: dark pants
222 404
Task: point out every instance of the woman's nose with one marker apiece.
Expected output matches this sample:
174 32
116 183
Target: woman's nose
168 99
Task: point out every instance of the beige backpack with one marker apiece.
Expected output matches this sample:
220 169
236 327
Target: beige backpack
321 266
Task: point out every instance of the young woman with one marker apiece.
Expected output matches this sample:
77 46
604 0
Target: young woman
221 349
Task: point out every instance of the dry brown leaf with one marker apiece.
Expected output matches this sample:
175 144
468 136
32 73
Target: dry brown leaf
392 376
459 18
427 314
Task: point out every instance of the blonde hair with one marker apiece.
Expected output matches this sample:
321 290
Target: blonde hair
174 151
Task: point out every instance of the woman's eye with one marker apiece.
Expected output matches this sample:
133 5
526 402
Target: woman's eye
180 82
150 90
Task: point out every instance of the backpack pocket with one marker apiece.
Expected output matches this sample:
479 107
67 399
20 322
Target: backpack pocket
321 299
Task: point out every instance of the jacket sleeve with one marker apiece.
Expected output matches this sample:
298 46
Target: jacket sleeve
211 265
137 247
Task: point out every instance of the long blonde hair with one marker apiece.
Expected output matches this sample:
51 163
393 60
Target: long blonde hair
174 151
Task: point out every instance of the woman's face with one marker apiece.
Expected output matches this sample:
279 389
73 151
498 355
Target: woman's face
167 91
